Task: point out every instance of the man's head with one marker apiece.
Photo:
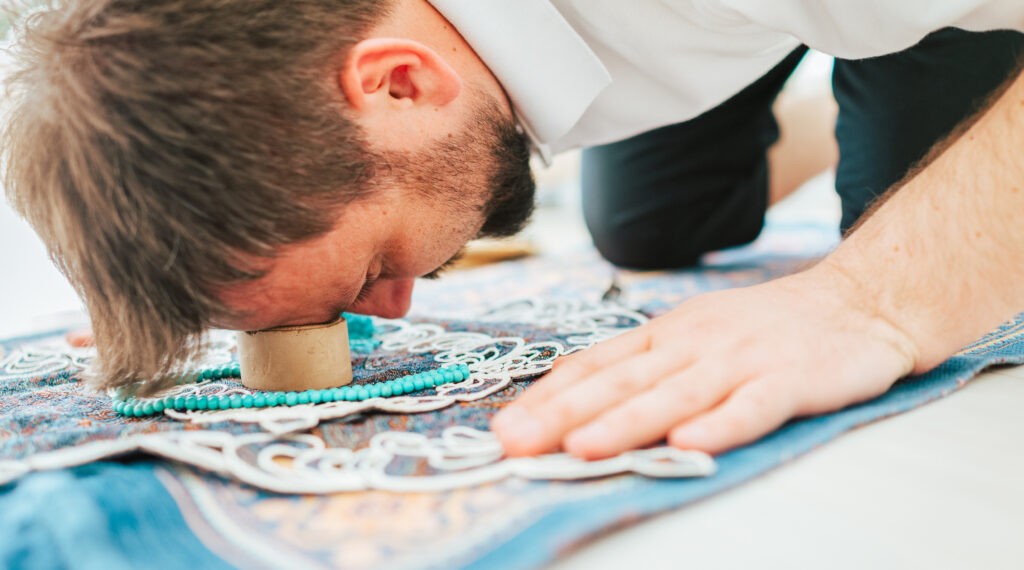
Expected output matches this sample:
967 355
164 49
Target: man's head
252 163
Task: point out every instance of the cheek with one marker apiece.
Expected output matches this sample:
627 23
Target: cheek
428 246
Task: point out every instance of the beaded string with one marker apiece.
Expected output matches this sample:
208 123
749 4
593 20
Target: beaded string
360 330
135 408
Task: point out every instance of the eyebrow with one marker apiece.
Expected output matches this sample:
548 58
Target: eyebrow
446 265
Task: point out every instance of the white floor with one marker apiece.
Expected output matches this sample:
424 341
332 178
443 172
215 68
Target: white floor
938 487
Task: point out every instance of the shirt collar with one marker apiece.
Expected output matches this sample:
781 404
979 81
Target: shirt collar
549 73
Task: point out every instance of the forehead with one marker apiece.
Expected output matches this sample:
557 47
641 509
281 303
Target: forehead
306 292
303 279
401 239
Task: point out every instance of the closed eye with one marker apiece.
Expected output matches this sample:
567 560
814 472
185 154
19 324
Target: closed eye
446 265
362 295
365 291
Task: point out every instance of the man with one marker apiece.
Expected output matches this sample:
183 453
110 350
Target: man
254 163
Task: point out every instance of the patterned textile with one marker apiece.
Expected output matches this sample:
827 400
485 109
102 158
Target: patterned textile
215 506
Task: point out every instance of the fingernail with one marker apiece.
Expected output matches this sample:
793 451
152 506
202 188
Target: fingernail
518 424
689 434
591 433
591 442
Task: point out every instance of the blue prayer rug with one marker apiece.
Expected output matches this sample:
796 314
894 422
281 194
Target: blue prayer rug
411 482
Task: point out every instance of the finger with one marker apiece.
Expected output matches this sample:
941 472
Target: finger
539 426
648 417
607 385
586 363
567 358
79 338
751 411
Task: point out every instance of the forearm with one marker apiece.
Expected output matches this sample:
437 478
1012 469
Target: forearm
943 259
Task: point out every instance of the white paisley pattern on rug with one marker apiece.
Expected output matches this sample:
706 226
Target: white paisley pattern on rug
285 458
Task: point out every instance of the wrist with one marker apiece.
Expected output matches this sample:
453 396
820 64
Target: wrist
868 309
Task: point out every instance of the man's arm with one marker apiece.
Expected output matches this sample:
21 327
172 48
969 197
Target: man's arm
943 258
933 268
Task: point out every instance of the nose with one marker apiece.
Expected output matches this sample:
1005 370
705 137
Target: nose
388 298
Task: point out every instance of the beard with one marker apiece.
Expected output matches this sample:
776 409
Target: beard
481 172
510 202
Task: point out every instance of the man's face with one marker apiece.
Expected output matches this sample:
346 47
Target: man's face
429 204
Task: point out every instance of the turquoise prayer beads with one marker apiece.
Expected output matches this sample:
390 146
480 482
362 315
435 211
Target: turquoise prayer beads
135 408
360 329
359 326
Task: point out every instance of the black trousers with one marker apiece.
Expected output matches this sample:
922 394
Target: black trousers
663 198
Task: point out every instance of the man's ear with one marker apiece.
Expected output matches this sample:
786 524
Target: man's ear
391 73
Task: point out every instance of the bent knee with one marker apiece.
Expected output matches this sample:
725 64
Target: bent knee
668 244
635 252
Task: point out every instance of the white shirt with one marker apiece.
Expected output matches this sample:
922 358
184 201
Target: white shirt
587 72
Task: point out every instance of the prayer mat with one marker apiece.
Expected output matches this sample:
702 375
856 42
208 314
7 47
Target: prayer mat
411 482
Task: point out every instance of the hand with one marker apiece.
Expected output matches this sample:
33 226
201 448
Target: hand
721 370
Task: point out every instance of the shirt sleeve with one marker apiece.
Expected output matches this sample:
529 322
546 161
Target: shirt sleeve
854 29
